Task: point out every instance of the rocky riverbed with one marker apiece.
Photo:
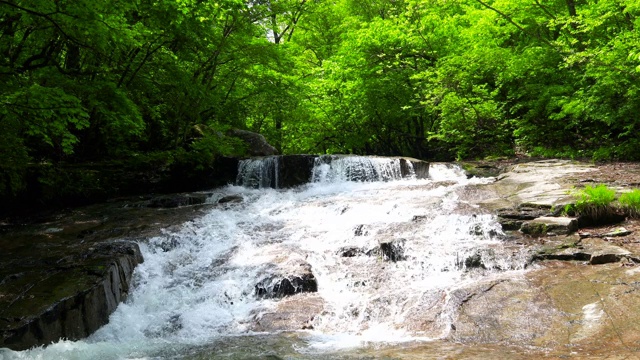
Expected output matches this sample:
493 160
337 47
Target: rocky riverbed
62 275
580 298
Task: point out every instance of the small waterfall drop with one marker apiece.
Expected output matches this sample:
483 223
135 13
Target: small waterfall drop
332 168
259 172
288 171
386 255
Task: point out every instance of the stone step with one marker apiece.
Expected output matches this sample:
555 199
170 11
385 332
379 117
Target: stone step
547 225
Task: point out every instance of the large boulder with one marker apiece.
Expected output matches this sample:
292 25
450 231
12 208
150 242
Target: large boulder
258 145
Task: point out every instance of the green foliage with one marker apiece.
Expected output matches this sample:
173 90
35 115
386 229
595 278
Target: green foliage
594 202
630 202
204 150
59 183
94 81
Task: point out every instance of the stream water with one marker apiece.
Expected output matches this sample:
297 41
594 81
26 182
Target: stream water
387 252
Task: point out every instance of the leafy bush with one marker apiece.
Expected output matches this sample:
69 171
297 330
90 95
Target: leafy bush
630 202
594 202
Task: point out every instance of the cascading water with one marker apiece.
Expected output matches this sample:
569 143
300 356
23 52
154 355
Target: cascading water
386 257
335 169
259 173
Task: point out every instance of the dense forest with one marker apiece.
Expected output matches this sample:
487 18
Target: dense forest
141 81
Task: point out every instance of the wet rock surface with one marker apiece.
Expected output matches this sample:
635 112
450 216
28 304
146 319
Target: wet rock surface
177 200
580 298
63 275
231 199
290 314
64 295
297 280
392 250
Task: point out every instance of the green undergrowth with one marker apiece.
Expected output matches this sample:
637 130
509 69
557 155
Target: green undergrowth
630 202
597 202
594 201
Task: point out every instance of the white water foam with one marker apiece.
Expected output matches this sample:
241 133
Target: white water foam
197 285
331 169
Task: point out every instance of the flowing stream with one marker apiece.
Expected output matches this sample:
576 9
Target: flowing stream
386 253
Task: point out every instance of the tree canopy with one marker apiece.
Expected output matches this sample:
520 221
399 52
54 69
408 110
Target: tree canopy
86 80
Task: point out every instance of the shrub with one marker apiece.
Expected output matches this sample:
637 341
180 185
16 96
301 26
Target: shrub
630 202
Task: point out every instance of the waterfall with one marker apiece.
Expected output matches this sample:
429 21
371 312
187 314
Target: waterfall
274 171
369 255
332 168
259 172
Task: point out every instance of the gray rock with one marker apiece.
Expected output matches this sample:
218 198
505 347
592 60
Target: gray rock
471 262
420 168
350 251
618 232
230 199
291 313
595 251
102 277
301 280
393 250
525 212
510 224
605 253
550 225
258 145
539 183
177 200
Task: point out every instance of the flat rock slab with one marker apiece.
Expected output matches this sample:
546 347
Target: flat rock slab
618 232
603 252
504 311
65 295
540 183
569 311
593 250
547 225
599 306
290 314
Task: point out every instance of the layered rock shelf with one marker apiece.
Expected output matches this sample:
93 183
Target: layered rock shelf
68 297
62 277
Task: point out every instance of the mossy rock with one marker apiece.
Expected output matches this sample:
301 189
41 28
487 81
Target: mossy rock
550 225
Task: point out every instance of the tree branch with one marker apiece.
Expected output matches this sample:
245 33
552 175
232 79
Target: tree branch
510 20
